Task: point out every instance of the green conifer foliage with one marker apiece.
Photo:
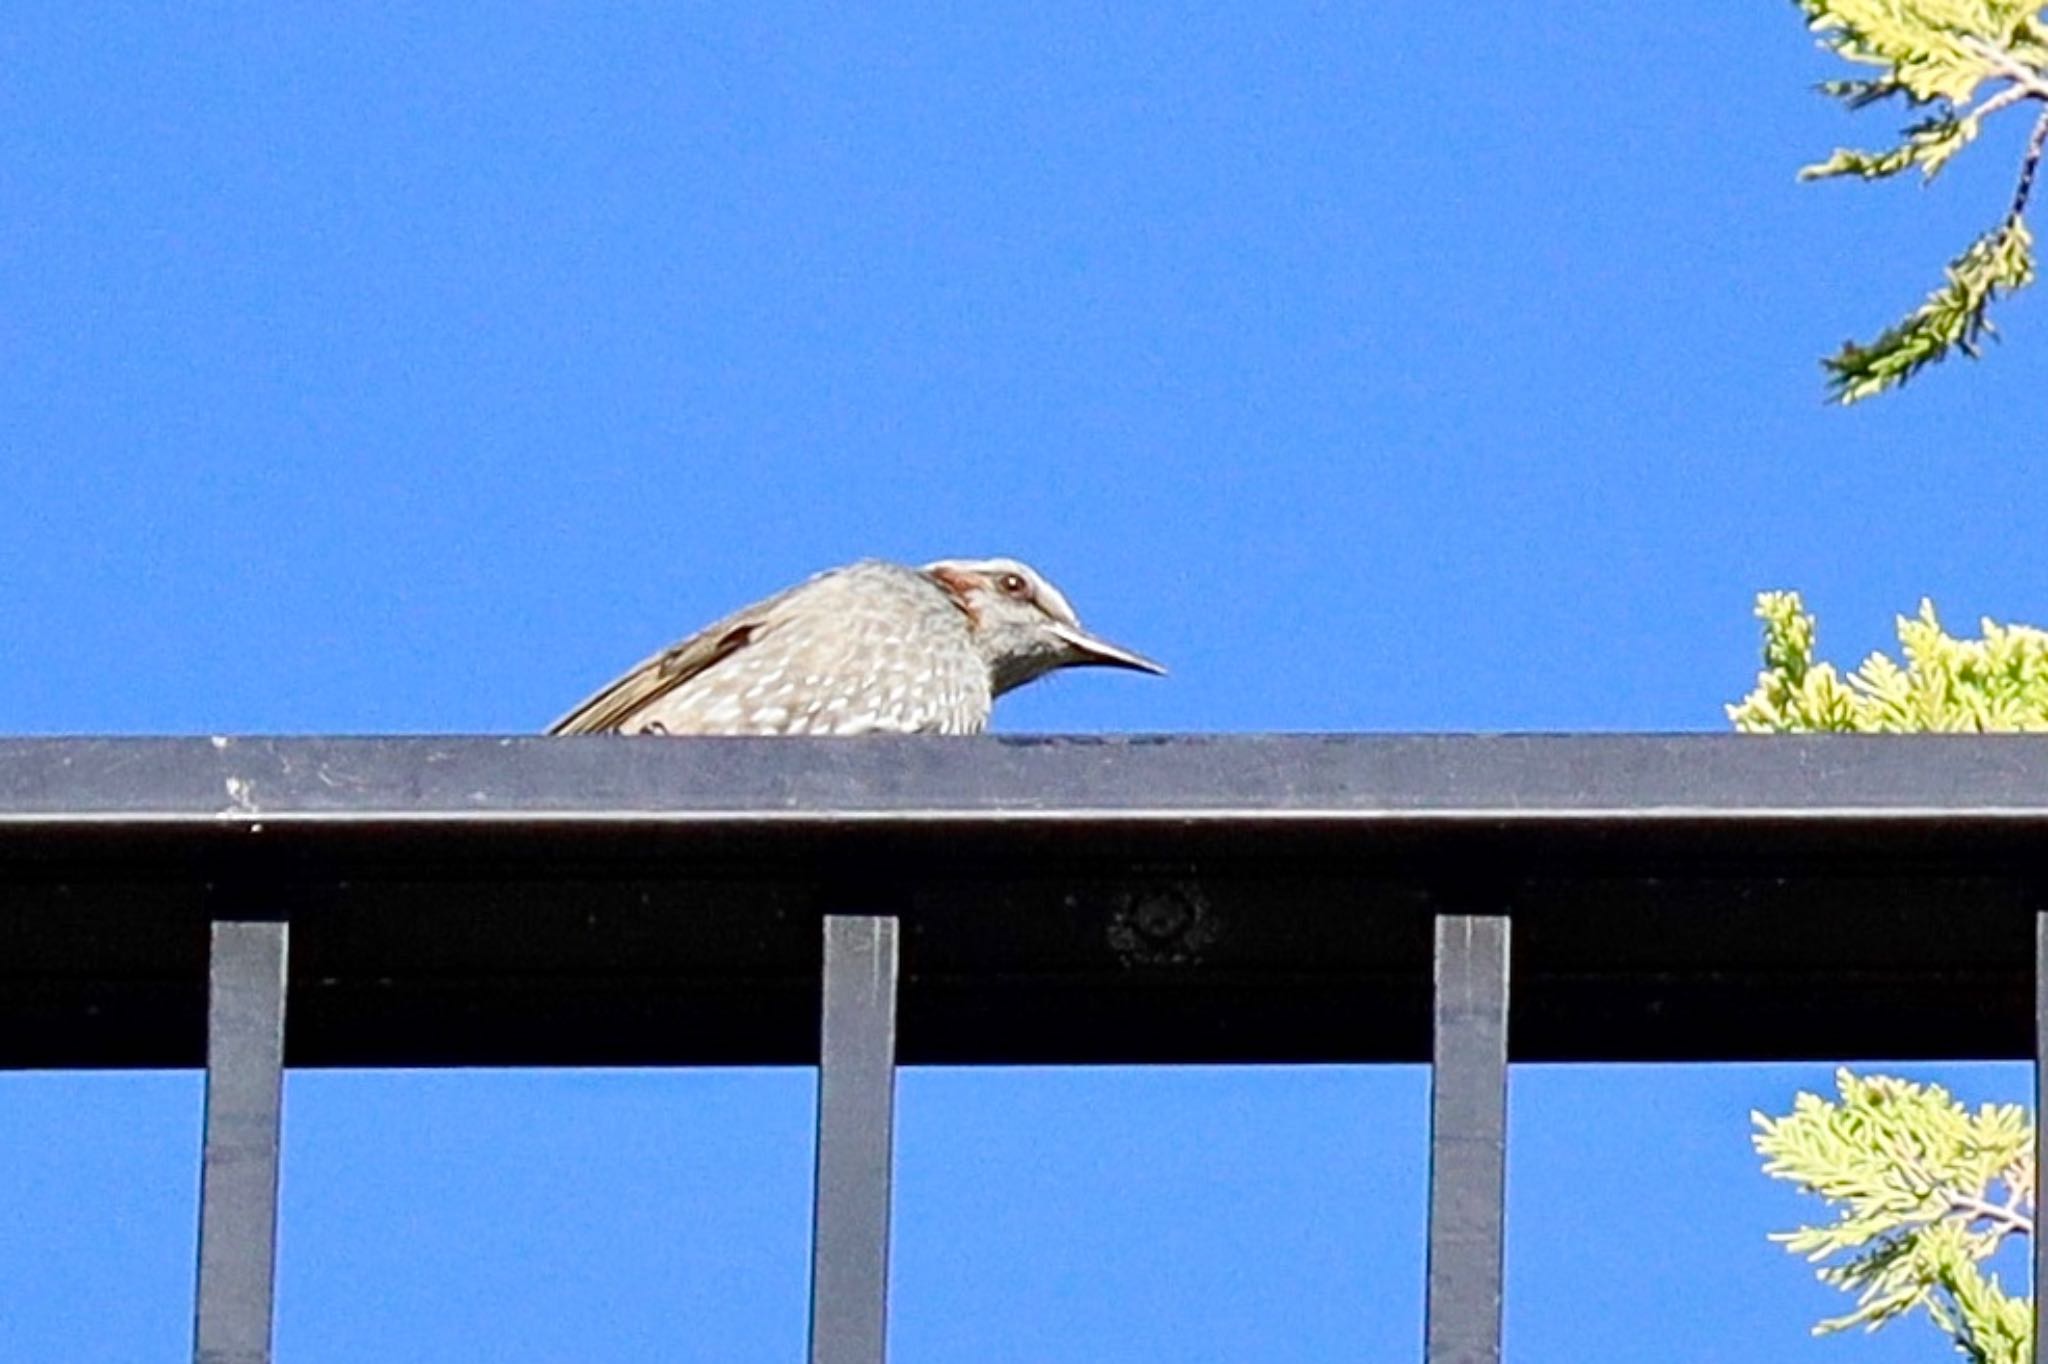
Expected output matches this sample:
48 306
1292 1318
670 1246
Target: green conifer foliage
1953 64
1922 1191
1998 683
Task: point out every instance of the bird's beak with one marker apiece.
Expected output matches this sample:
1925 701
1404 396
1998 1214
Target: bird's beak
1100 651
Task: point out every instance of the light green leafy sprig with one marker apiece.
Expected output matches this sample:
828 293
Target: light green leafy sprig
1924 1191
1995 684
1939 56
1954 317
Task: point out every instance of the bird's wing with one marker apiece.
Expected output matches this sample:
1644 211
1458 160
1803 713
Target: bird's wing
656 677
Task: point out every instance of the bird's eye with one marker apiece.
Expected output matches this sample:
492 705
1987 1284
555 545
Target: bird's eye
1013 585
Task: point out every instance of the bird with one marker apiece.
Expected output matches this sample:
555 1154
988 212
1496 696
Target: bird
871 647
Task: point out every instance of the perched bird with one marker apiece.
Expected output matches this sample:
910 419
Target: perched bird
871 648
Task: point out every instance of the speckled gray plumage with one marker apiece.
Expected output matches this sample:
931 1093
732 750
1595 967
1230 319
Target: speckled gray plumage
871 648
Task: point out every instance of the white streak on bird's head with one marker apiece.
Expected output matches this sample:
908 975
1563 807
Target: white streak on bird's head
1022 625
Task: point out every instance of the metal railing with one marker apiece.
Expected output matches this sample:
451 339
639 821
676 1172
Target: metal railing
600 901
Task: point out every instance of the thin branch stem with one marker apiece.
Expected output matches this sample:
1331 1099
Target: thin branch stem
2004 99
2010 67
2036 142
2005 1217
2009 1220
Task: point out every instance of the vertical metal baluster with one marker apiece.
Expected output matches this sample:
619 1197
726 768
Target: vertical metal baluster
1468 1140
2040 1112
238 1170
856 1121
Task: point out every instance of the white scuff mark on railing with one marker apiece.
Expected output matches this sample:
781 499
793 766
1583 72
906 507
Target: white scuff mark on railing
241 799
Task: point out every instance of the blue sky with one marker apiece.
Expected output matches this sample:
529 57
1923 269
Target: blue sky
1376 367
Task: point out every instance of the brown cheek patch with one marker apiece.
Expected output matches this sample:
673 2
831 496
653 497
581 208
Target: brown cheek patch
959 586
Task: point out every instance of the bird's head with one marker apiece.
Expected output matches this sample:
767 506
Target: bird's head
1022 624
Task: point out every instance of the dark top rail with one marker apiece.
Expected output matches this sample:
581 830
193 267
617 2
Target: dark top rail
494 901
